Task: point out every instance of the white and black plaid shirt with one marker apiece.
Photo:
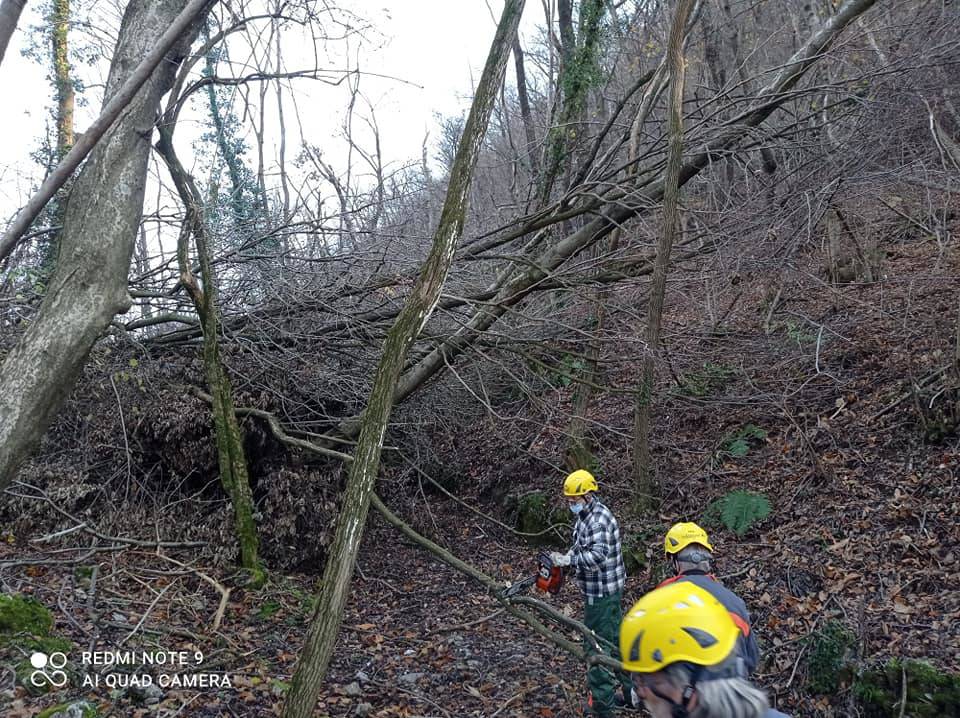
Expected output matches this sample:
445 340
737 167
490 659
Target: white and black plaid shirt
595 554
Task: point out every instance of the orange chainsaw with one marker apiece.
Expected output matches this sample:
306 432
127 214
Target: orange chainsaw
548 578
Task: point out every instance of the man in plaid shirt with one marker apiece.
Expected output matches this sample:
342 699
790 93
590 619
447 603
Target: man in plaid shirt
597 561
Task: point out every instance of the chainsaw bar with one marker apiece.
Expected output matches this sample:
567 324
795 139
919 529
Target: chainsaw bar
518 587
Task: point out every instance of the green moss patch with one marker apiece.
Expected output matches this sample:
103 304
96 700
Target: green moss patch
535 515
828 660
930 692
75 709
25 626
22 615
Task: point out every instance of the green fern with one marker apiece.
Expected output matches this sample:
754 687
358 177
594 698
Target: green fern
739 510
737 444
738 448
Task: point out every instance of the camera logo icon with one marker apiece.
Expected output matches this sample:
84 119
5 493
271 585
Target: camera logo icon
55 662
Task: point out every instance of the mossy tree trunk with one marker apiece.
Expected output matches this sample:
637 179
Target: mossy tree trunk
644 480
325 624
577 75
62 79
231 458
63 87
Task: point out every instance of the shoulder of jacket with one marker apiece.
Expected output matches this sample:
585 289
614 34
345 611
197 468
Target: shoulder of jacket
601 509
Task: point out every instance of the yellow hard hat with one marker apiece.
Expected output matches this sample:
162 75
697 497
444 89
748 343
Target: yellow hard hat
679 622
579 482
682 535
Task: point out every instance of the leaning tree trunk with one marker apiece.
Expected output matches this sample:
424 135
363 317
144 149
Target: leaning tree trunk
644 482
89 285
232 460
122 95
9 17
318 647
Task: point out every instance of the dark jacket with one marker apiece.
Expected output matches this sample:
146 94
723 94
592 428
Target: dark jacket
747 644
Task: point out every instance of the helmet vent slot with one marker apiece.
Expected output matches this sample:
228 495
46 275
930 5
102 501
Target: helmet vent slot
700 636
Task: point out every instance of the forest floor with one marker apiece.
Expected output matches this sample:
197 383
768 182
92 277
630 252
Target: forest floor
864 532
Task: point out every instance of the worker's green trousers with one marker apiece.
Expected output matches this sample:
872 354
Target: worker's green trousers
602 615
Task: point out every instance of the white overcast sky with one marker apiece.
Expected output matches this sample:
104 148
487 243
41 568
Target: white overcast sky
436 49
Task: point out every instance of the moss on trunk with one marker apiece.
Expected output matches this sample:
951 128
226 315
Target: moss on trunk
231 458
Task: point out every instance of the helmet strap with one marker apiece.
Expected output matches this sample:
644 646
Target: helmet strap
682 709
677 710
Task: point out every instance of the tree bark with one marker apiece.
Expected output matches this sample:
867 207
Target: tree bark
657 79
9 17
579 449
89 285
834 257
232 460
527 116
62 80
325 624
644 480
63 87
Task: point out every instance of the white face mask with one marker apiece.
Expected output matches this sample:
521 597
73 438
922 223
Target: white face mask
577 507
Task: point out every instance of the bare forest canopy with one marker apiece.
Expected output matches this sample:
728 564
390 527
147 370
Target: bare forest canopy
199 301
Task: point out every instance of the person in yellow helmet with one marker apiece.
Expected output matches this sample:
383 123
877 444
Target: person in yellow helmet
597 561
680 644
689 547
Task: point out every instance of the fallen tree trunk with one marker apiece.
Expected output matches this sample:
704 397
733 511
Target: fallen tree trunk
496 590
539 270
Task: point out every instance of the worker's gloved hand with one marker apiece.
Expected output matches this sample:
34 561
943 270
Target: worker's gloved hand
561 559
